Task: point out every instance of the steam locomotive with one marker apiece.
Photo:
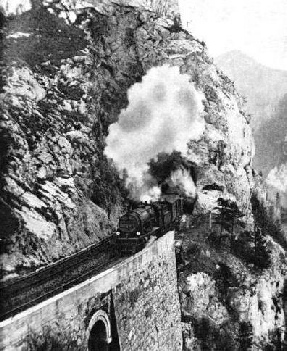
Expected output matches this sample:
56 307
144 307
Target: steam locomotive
138 224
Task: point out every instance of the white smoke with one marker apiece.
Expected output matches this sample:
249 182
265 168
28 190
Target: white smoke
144 190
183 180
163 115
277 178
152 194
15 7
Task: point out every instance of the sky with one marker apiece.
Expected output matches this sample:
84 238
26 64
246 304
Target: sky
256 27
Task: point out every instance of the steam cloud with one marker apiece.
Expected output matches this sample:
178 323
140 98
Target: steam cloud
182 179
163 115
277 178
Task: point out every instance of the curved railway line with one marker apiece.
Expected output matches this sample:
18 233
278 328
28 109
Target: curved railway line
25 292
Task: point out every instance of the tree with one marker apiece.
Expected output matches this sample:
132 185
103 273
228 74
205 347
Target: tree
262 254
245 336
228 214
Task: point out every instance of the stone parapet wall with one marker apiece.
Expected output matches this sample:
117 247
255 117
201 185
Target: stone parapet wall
147 304
142 290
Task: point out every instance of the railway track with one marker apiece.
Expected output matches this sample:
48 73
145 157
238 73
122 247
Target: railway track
36 287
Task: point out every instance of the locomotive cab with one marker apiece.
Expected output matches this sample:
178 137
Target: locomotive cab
129 225
135 228
138 225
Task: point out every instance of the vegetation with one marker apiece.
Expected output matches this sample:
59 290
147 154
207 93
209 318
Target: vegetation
162 8
249 246
47 340
245 336
228 214
265 222
225 278
221 337
252 248
47 27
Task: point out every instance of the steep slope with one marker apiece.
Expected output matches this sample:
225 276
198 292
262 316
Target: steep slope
270 138
68 68
261 85
60 97
264 89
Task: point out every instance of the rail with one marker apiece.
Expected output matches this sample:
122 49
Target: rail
25 292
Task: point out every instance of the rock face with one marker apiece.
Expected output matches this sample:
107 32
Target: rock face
262 86
67 67
265 90
228 305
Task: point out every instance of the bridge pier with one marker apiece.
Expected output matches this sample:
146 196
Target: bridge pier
132 306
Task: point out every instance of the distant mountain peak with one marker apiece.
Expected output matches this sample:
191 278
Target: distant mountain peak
241 59
264 87
259 83
235 53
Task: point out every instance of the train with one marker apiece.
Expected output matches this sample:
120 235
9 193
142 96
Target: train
144 220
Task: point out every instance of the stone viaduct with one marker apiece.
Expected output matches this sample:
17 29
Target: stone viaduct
133 305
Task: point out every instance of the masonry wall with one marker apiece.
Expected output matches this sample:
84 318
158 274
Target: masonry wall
141 289
147 304
59 323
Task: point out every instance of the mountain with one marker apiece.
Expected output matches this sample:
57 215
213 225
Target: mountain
74 74
262 86
59 191
270 138
264 89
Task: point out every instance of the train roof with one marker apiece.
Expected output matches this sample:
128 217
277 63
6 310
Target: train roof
140 212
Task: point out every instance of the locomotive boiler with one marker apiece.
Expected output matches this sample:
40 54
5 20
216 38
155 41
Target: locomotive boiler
137 225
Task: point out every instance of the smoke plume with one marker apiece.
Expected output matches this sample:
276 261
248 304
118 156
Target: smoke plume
183 180
163 114
277 178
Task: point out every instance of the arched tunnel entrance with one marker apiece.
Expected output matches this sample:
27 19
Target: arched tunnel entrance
98 340
101 333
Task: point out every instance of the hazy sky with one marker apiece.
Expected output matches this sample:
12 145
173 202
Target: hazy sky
256 27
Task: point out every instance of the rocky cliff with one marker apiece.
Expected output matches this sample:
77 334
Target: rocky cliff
67 67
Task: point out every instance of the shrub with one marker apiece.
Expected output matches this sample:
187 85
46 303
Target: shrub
213 337
266 223
228 214
49 340
245 336
257 254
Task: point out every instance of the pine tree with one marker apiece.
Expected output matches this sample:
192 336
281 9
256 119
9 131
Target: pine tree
245 336
228 214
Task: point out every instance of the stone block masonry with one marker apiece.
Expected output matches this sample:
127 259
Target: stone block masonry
146 302
138 296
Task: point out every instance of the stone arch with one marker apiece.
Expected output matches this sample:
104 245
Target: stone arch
99 331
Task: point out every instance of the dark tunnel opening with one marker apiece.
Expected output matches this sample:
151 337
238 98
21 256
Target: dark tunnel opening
98 338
